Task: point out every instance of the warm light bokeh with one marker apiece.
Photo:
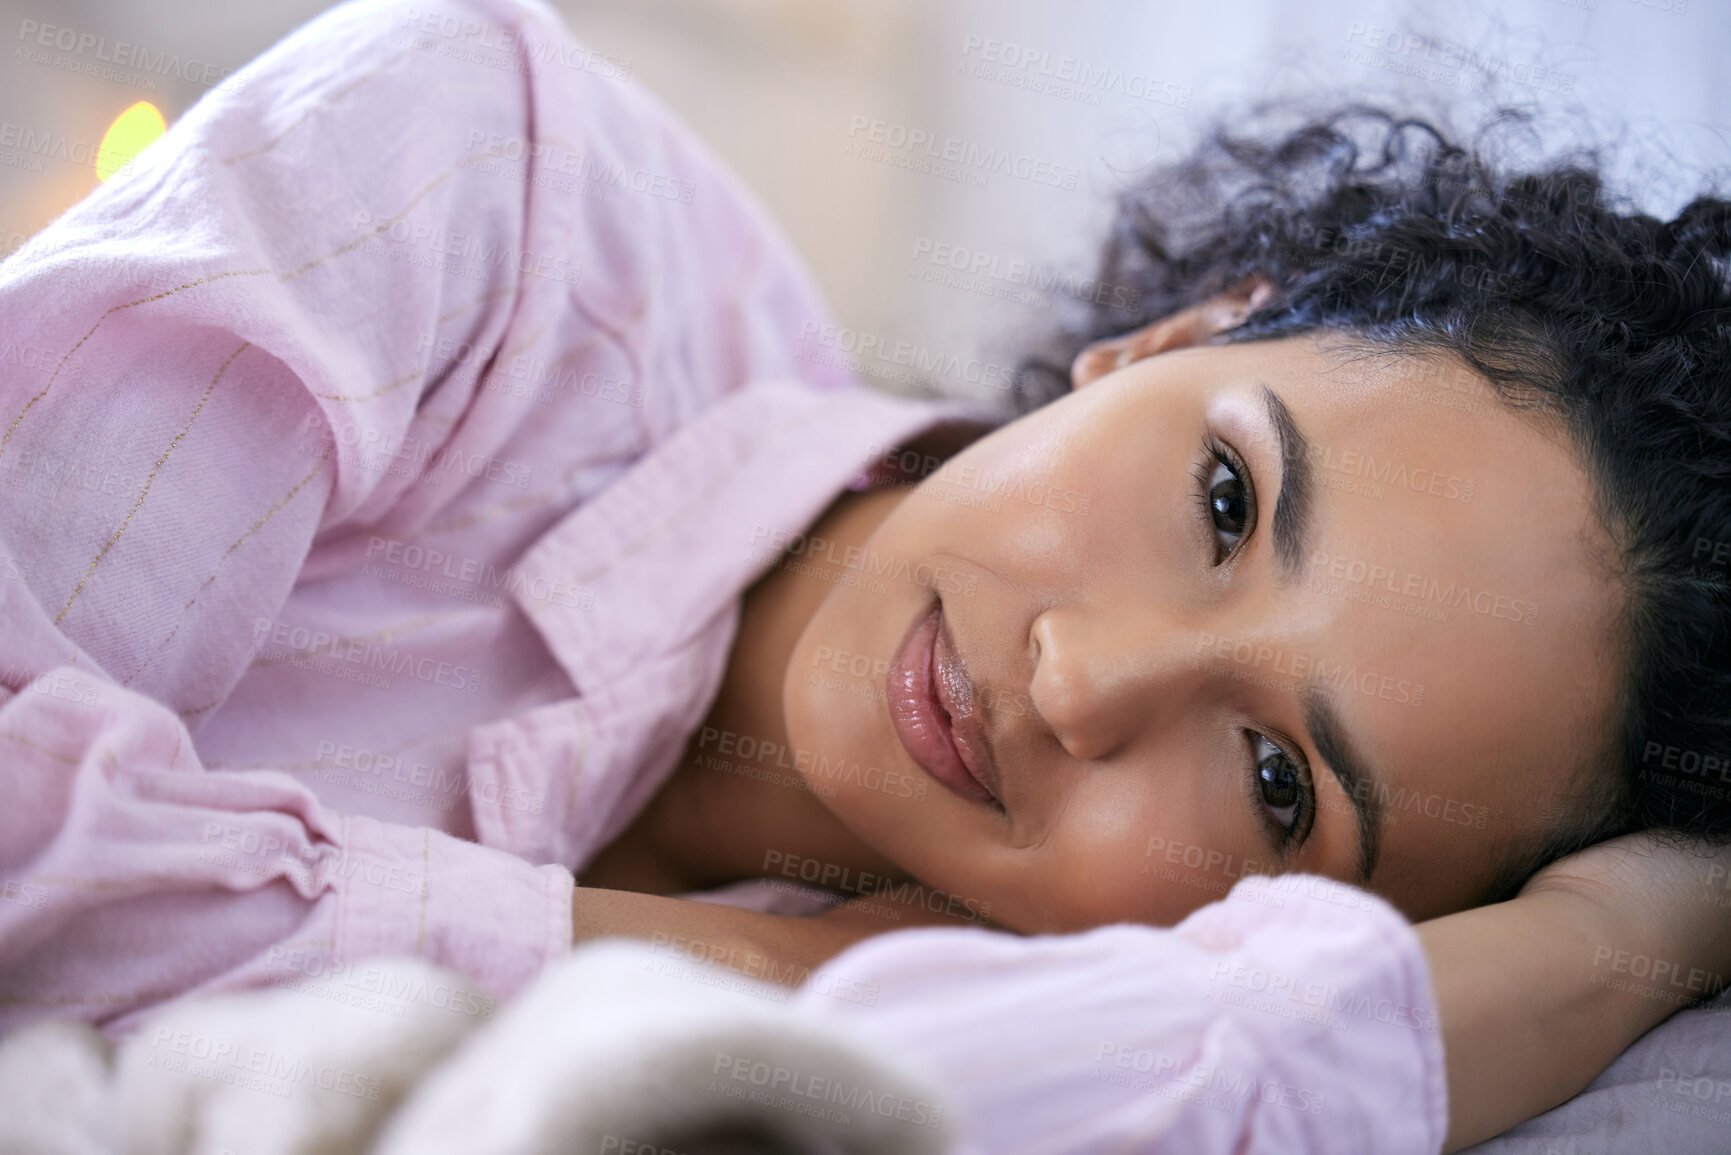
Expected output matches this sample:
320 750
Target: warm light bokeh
128 136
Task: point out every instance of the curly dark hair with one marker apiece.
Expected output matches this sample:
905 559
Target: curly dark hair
1395 235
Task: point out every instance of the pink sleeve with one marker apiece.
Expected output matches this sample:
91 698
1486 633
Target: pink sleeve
1295 1015
130 875
206 365
249 350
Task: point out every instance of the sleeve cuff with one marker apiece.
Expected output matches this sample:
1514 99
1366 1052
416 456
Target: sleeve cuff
1364 977
1295 1015
481 912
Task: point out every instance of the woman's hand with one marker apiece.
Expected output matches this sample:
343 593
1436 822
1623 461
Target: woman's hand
1539 994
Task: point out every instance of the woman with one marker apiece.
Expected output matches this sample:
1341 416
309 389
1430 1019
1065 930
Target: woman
1429 518
406 429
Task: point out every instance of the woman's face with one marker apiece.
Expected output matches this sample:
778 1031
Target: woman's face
1229 609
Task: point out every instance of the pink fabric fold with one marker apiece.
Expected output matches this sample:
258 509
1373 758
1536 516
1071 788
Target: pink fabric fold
1295 1015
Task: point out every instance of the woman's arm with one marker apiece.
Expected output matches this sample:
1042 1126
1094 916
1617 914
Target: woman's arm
1539 994
1535 996
776 948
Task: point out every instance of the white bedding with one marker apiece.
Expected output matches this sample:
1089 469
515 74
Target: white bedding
612 1051
618 1050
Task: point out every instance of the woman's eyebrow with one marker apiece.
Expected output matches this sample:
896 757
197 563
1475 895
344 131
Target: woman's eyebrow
1292 506
1356 777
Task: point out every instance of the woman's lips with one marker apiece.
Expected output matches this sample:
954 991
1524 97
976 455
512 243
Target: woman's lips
931 703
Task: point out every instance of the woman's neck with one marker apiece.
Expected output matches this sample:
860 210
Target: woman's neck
711 823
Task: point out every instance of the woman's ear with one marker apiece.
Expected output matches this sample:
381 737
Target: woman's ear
1193 326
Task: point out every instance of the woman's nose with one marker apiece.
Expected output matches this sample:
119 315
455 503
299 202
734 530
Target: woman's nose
1097 684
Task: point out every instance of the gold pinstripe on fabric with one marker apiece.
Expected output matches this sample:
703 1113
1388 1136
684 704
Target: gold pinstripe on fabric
148 482
30 404
426 890
40 749
195 711
386 635
383 227
507 351
297 122
5 439
309 944
388 387
282 277
222 561
383 390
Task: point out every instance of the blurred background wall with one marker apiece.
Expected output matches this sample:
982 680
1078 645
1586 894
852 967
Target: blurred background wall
840 114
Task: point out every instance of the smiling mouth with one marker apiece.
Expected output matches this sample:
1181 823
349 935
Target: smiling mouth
931 704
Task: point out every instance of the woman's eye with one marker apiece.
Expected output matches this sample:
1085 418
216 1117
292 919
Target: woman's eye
1226 496
1279 783
1228 506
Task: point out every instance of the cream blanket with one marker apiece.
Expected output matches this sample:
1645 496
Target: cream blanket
613 1051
